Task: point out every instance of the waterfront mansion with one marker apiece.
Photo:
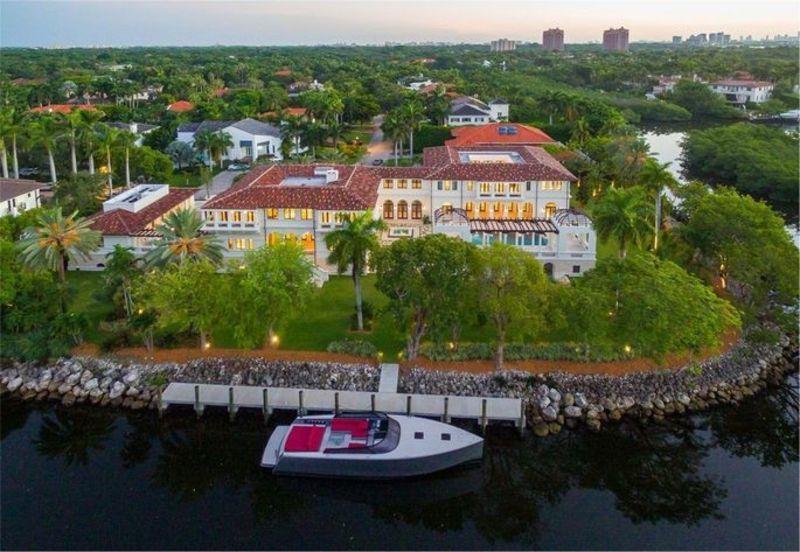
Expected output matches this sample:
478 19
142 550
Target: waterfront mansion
516 194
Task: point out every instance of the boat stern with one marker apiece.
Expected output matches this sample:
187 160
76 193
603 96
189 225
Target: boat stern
271 453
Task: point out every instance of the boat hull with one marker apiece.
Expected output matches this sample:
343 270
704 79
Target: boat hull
378 468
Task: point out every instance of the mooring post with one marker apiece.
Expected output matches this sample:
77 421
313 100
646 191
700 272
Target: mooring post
198 409
336 403
265 405
231 405
522 418
484 420
300 400
408 405
160 401
372 401
445 417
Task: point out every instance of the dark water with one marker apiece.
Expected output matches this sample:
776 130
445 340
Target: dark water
94 478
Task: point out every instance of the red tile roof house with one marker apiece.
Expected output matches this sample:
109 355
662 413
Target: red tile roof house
499 134
63 109
131 219
517 194
181 106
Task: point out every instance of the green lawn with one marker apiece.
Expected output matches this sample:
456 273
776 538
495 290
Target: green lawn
86 298
358 132
188 178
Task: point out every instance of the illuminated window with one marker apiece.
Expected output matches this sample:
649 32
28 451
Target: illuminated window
482 207
326 218
416 210
500 188
273 238
388 209
209 216
469 208
402 184
486 188
416 184
288 214
513 210
402 210
447 208
513 188
527 210
237 216
550 210
551 185
223 216
251 216
470 186
388 184
272 213
306 214
498 209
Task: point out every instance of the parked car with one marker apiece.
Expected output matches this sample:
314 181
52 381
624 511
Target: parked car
238 167
28 171
377 162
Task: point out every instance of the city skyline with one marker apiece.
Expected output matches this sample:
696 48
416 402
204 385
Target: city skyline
273 23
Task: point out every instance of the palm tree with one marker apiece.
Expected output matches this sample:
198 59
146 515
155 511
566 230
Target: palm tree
351 246
623 214
182 239
335 130
180 152
126 140
219 145
655 177
291 129
413 114
87 133
202 143
55 240
45 132
107 139
13 123
392 129
122 266
73 123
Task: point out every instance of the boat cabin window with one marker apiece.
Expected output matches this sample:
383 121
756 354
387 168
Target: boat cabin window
445 436
419 435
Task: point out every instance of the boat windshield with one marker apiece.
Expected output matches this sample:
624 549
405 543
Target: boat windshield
365 435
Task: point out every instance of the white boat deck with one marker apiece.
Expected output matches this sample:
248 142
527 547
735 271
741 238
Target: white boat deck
268 399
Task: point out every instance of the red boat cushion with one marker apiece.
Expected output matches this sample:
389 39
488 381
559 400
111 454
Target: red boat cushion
356 427
304 439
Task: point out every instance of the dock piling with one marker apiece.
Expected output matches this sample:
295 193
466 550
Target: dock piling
408 405
300 409
445 416
231 404
198 408
265 410
484 419
336 403
372 402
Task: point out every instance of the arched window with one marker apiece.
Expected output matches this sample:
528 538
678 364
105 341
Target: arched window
447 208
498 210
402 210
550 210
527 210
388 209
469 207
416 210
513 210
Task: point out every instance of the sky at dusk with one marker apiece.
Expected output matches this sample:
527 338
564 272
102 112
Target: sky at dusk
192 23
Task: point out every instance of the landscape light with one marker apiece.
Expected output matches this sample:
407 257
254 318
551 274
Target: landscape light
627 348
207 345
451 345
274 340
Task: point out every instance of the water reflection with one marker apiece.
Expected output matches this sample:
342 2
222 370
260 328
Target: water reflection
655 474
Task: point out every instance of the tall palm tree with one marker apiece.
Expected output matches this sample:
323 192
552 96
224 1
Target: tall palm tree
87 133
221 142
44 132
126 140
655 177
107 139
55 240
122 266
73 123
413 113
350 246
623 214
291 130
202 143
14 123
392 129
183 239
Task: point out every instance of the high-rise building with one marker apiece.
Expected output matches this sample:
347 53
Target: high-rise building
553 39
503 45
676 39
615 40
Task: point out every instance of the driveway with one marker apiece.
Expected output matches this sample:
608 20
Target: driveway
221 182
378 147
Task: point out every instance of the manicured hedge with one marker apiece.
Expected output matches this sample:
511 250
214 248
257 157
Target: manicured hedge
578 352
355 347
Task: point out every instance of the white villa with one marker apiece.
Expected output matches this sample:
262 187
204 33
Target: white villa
17 195
743 91
467 110
251 138
511 193
130 219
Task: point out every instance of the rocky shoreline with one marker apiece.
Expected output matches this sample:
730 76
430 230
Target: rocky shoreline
553 400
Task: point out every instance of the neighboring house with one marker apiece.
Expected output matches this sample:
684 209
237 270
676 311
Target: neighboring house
139 129
467 110
297 88
181 106
18 195
743 91
251 138
515 194
63 109
495 134
130 219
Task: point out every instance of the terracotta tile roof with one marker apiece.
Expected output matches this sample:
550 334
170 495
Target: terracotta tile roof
64 109
485 135
120 222
356 189
536 164
13 187
296 111
181 106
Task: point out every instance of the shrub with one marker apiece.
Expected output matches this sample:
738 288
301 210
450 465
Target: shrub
355 347
577 352
429 136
